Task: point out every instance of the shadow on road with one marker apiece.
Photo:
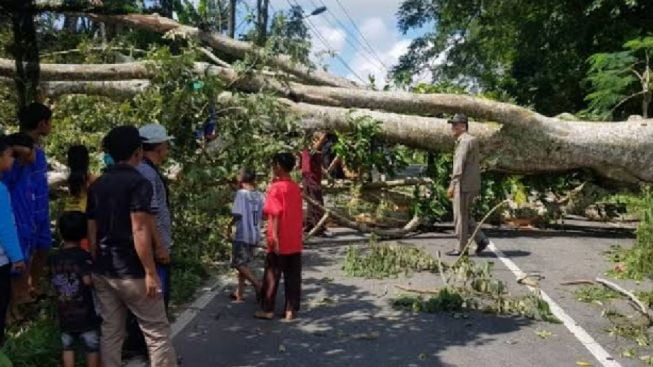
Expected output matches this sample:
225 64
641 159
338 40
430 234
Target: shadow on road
344 322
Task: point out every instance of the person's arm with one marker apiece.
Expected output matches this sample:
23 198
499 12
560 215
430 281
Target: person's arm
237 212
273 209
8 231
141 231
141 220
92 223
458 164
44 233
92 237
161 253
86 267
274 222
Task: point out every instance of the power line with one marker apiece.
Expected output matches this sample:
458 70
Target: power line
326 44
367 49
360 46
359 31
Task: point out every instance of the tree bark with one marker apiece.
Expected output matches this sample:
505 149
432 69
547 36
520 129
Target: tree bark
227 45
26 53
232 19
620 151
523 142
261 22
117 90
70 6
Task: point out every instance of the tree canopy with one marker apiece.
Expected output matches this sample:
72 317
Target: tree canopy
533 50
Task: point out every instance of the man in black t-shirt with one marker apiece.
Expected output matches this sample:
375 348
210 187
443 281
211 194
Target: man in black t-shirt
120 232
70 270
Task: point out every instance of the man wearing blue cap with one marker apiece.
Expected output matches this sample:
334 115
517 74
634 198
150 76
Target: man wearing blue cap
156 145
465 185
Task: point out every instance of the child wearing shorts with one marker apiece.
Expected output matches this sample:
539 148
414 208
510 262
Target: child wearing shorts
70 269
247 215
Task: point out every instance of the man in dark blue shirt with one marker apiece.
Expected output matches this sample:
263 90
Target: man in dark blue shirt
35 121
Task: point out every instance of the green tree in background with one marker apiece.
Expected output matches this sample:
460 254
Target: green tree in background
533 50
621 77
289 35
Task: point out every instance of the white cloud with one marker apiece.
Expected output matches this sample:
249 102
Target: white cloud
334 37
365 66
376 20
374 30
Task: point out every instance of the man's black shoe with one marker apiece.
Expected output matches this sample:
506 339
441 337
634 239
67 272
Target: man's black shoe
453 253
482 246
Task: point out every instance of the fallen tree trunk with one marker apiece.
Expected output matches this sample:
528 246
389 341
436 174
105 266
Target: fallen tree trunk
117 89
226 45
621 151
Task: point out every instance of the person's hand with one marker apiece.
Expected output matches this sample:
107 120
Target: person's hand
18 267
162 255
152 285
450 192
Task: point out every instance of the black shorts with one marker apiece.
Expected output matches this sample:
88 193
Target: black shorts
241 254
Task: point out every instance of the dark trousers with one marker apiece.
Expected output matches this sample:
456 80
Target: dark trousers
135 341
313 190
291 267
5 295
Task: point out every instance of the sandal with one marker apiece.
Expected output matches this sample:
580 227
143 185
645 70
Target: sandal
264 315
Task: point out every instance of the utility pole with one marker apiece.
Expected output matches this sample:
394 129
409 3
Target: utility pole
232 18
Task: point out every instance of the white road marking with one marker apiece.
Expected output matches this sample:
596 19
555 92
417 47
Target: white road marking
601 355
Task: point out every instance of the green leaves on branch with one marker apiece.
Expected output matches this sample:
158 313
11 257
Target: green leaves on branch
619 77
467 285
362 149
383 261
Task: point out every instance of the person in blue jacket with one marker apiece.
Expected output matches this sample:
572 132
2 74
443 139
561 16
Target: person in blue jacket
35 121
18 183
11 256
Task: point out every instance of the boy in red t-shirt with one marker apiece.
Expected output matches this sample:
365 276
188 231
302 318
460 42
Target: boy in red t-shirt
283 208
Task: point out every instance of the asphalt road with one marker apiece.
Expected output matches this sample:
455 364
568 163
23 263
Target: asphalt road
349 322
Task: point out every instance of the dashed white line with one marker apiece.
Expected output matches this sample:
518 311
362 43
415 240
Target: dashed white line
601 355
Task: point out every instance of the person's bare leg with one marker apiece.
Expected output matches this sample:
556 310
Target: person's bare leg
68 357
93 359
240 289
246 273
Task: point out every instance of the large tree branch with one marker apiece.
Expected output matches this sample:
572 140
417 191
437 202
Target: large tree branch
226 45
60 6
117 89
622 151
399 102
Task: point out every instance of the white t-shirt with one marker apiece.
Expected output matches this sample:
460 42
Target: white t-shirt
248 205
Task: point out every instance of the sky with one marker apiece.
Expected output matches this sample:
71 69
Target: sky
376 21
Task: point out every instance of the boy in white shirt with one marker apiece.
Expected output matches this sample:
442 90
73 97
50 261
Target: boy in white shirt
247 214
